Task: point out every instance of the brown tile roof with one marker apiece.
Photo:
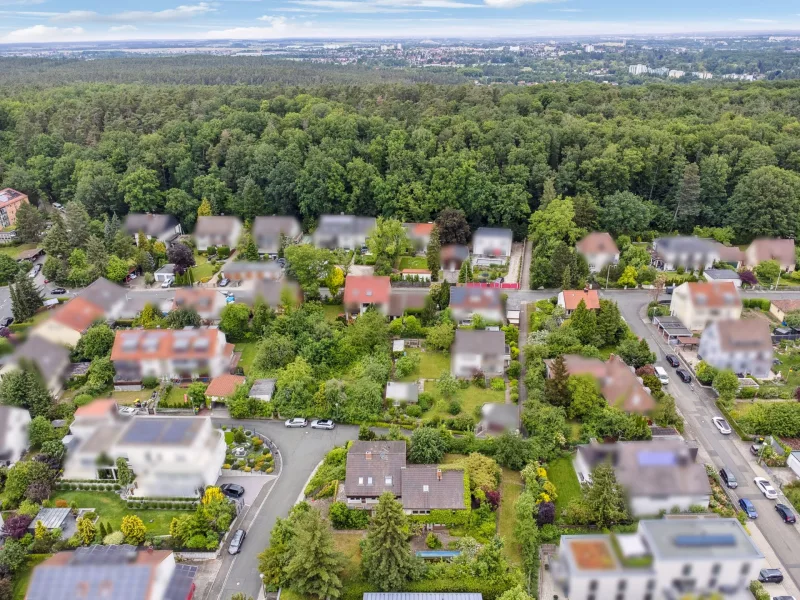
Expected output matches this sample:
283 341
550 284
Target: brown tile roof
138 344
413 298
374 461
597 242
425 487
714 294
773 249
366 289
97 408
417 271
743 335
730 253
216 225
78 314
224 385
787 305
202 300
572 298
456 251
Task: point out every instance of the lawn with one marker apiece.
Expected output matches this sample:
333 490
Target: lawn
127 398
202 271
111 509
431 364
562 474
175 398
510 490
413 262
347 542
248 350
789 367
13 251
23 576
470 398
332 311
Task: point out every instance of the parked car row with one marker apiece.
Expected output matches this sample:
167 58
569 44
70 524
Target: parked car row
315 424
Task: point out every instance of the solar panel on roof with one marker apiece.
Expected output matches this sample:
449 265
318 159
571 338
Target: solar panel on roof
647 458
176 432
700 541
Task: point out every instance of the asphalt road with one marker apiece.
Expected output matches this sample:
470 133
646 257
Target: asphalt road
301 450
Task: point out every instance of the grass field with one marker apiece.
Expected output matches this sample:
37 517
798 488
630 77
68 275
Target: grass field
510 490
332 311
347 542
248 350
470 398
790 367
126 398
175 398
562 474
413 262
23 576
13 251
201 271
431 364
111 509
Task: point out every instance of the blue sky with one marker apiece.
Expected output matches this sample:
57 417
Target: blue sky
82 20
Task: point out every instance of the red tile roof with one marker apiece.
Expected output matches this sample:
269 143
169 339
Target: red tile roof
597 242
98 408
416 271
572 298
138 344
224 385
421 229
78 314
367 289
714 294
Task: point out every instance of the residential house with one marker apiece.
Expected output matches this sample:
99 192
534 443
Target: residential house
742 345
120 572
419 234
166 274
698 304
51 360
497 419
688 252
466 302
263 389
599 250
267 232
244 270
14 423
180 355
657 475
569 300
346 232
452 256
171 456
207 303
780 308
10 201
479 350
161 228
366 291
408 299
101 300
618 383
374 468
730 255
771 249
722 275
416 274
223 386
271 292
402 393
491 245
793 462
217 231
675 557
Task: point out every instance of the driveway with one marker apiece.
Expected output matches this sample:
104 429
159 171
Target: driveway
252 484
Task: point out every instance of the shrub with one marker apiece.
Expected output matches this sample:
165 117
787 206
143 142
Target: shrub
758 591
425 401
114 539
514 369
82 400
149 382
60 503
433 542
498 384
454 407
414 411
133 529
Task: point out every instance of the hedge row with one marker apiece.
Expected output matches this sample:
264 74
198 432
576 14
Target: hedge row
97 487
133 504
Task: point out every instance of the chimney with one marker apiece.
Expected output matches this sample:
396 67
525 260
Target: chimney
368 455
438 474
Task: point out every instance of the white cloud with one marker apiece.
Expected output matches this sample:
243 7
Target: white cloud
515 3
274 21
20 2
171 14
382 6
42 33
756 20
119 28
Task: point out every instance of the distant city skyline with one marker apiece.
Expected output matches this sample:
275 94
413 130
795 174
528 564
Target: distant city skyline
43 21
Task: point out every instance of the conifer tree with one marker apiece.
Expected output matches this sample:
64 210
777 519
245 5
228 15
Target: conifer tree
584 323
556 389
386 560
316 566
432 254
25 298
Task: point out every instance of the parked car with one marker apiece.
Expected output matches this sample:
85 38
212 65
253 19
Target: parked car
232 490
296 422
237 539
770 576
7 321
128 411
322 424
722 425
661 373
728 478
673 360
748 508
786 513
783 598
684 375
167 283
765 487
224 282
58 291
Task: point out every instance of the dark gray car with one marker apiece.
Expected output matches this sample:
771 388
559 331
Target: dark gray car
728 478
237 539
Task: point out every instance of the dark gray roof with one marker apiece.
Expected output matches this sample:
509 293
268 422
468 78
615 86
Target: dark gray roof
152 225
422 596
270 291
153 431
423 490
410 298
274 226
501 415
722 274
493 232
103 293
480 341
269 266
180 584
50 517
683 244
263 387
217 225
375 460
49 357
339 224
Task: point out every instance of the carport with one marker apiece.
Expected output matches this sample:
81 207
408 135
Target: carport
671 328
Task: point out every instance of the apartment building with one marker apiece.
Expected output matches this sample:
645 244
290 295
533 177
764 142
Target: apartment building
698 304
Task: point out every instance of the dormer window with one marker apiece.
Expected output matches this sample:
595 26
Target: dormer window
369 480
387 480
360 481
425 488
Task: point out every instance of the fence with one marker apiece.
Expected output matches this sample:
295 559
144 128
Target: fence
502 286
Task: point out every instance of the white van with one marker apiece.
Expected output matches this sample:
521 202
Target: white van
662 375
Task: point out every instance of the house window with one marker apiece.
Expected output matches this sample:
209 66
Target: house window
388 480
369 480
745 569
651 584
687 570
621 584
593 585
360 481
716 569
425 488
712 583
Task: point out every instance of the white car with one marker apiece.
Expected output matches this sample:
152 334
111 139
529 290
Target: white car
296 422
128 411
766 488
722 425
322 424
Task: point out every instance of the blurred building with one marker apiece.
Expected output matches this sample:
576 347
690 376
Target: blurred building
267 232
171 456
161 228
51 360
182 355
779 308
466 302
207 302
244 270
771 249
419 234
14 423
667 559
496 419
599 250
346 232
491 245
452 256
113 572
10 201
402 393
366 291
698 304
743 346
688 252
722 275
271 292
477 350
217 231
569 300
657 475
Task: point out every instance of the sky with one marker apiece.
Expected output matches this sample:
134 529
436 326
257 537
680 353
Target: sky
89 20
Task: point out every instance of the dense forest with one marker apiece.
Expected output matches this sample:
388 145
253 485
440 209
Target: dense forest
633 159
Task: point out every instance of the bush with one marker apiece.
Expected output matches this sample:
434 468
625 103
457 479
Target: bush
425 401
514 369
150 382
413 411
758 591
82 400
433 542
498 384
347 518
454 407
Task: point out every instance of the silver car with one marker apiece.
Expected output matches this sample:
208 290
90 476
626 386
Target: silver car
322 424
296 422
236 541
